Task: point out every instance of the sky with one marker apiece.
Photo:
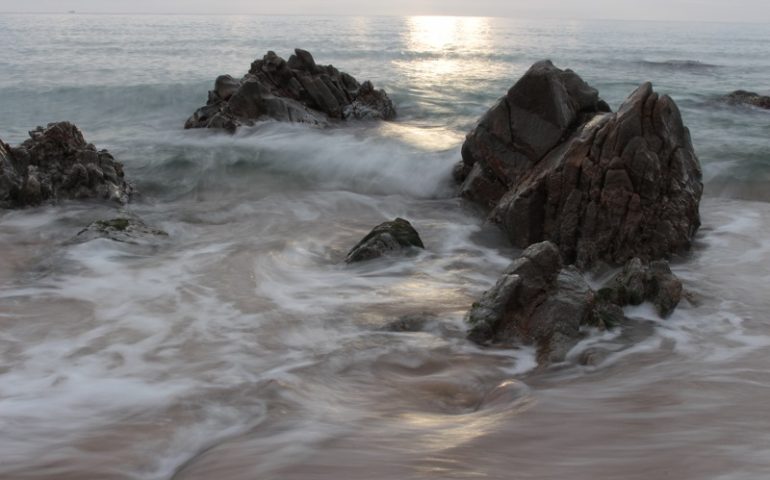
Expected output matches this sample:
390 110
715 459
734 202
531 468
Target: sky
677 10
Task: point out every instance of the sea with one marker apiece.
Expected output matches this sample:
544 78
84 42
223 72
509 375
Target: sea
241 346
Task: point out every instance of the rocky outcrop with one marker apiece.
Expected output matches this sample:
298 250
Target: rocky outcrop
56 163
748 98
552 163
385 239
538 301
297 90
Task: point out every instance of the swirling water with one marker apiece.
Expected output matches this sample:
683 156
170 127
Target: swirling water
241 348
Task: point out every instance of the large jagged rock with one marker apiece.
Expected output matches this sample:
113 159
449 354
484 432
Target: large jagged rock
749 98
538 301
56 163
384 239
297 91
553 163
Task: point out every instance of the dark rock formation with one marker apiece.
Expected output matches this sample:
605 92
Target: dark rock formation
637 283
748 98
536 301
123 229
386 238
553 164
56 163
295 91
539 302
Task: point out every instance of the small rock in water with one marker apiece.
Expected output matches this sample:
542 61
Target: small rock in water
56 163
410 323
749 98
121 229
387 238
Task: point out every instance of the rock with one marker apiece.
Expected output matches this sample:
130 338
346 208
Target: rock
748 98
298 91
10 180
384 239
539 302
56 163
606 316
535 302
125 229
638 283
225 86
370 104
627 287
664 289
552 163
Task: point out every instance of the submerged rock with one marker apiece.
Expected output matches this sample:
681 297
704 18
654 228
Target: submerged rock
56 163
121 229
297 91
387 238
749 98
553 163
539 302
410 323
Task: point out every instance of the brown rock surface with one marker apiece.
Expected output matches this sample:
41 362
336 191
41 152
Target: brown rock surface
553 164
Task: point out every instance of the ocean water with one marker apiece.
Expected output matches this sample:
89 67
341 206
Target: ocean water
241 347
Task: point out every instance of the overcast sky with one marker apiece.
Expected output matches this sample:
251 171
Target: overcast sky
700 10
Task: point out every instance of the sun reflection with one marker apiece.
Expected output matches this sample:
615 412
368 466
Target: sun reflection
442 33
432 139
443 44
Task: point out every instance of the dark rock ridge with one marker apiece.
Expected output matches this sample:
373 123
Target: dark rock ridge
56 163
538 301
552 163
297 90
387 238
749 98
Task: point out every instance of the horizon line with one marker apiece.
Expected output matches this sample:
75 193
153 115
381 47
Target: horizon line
387 15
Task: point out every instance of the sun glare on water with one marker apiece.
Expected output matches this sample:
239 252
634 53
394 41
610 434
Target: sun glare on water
437 38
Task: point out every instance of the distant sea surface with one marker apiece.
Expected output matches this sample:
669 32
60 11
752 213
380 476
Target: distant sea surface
240 347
